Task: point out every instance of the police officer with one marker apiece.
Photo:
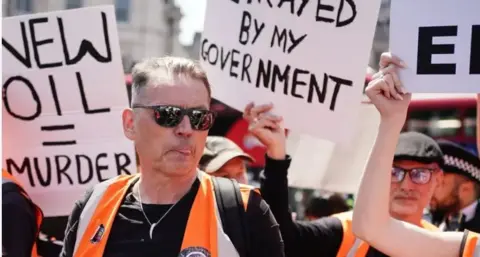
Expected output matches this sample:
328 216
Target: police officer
457 196
21 219
371 218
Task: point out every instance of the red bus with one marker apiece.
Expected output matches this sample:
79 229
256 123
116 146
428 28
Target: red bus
446 116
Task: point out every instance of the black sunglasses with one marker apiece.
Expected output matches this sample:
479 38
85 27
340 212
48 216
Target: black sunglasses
169 116
420 176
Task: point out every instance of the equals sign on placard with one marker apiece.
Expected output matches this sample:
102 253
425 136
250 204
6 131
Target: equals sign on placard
58 128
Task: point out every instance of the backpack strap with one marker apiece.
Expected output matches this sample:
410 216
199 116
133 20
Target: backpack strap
232 213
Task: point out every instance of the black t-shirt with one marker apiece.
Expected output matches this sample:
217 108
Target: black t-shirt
130 231
52 232
321 237
19 222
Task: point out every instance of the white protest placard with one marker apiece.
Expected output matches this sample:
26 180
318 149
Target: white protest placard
440 43
63 95
320 164
307 57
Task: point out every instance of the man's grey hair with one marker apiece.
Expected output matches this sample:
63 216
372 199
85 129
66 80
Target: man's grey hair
155 70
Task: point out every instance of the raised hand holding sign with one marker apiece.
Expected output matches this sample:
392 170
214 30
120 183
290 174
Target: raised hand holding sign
386 92
268 128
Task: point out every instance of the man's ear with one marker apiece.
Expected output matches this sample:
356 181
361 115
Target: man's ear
128 124
466 188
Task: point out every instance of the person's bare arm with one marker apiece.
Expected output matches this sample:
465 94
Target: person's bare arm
371 218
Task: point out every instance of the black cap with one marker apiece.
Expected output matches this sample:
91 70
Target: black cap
459 160
418 147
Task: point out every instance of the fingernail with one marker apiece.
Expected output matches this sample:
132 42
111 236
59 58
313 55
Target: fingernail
399 97
403 64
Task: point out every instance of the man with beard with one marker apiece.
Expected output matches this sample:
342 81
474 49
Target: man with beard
456 198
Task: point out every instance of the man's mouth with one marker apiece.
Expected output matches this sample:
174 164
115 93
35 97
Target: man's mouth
183 151
406 198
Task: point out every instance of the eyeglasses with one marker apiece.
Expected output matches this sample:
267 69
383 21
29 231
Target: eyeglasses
169 116
420 176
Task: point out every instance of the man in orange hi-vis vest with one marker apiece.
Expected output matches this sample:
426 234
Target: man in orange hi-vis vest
371 217
21 219
170 208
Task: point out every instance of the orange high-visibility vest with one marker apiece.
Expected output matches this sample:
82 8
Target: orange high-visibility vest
471 248
354 247
8 178
203 233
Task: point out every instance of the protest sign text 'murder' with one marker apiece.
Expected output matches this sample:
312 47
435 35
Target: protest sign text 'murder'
63 94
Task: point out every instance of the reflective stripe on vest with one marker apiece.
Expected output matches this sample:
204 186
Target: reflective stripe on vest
8 178
99 213
352 246
472 245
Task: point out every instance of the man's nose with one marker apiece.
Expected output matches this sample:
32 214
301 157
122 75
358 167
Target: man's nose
407 183
184 129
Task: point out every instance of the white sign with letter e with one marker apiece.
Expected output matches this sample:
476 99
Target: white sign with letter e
440 43
63 97
307 57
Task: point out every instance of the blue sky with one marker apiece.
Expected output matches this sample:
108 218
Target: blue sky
193 16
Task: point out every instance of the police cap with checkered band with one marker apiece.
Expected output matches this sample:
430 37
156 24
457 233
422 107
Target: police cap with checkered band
459 160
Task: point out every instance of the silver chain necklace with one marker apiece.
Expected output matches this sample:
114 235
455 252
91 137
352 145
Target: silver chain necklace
152 226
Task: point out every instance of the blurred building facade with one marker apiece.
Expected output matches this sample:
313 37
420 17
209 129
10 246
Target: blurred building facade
194 49
145 27
381 39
